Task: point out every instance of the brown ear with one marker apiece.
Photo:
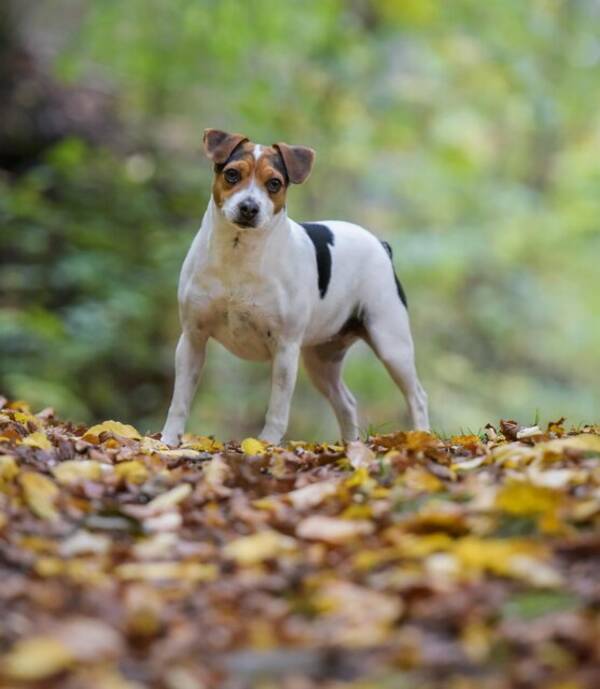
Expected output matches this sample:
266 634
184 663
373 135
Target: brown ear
219 145
298 161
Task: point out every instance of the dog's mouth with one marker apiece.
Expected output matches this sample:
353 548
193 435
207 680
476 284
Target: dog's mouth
244 223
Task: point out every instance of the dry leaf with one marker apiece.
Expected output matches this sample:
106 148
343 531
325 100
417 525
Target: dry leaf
168 500
75 470
250 550
40 494
252 446
156 571
114 428
36 658
332 530
312 495
38 440
359 454
132 471
523 498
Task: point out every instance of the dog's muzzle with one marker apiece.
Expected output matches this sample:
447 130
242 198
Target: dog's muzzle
247 213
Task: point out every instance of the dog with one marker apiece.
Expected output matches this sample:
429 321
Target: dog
271 289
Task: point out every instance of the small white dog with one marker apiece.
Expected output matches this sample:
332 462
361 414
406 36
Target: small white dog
268 288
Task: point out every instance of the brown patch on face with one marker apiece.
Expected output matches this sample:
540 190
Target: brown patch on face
242 161
268 171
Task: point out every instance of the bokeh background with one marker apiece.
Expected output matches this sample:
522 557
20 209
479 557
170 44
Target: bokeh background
466 133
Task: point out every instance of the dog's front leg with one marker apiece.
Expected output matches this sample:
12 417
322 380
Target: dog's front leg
283 381
189 359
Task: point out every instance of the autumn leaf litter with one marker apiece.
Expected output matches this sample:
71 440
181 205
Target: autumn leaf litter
409 560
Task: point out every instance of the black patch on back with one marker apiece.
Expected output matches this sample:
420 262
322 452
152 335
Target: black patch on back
399 288
322 237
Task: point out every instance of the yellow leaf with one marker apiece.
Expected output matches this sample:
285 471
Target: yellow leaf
40 494
8 467
132 471
501 556
36 658
74 470
49 566
252 446
156 571
19 405
251 550
151 445
357 511
123 430
419 479
523 498
359 479
169 499
24 418
37 440
588 442
202 443
476 640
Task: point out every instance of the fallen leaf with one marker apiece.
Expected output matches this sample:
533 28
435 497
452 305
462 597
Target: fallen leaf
114 428
202 443
83 541
251 550
332 530
419 479
523 498
355 616
75 470
312 495
359 454
132 471
252 446
40 494
89 640
36 658
168 500
8 468
156 571
38 440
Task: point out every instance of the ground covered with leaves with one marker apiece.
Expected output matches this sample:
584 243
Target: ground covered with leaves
409 561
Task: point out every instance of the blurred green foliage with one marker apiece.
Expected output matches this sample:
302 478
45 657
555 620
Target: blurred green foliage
465 133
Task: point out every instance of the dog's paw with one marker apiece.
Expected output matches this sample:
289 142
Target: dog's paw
171 439
271 438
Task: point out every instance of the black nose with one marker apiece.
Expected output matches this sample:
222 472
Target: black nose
248 209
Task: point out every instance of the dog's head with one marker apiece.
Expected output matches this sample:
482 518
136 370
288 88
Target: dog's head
251 181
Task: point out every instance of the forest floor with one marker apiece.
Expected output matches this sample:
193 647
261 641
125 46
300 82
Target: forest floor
408 561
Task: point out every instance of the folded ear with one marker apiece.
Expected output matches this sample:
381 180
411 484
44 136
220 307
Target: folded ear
219 145
298 161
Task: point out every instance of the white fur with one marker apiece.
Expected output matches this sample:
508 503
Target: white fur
255 290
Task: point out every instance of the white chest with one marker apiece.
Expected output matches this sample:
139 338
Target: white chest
243 316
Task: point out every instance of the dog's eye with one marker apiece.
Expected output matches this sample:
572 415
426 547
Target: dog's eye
273 185
232 176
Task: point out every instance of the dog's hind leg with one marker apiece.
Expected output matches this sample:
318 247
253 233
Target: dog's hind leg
388 334
189 360
324 368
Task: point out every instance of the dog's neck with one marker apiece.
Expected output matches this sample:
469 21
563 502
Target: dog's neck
228 240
